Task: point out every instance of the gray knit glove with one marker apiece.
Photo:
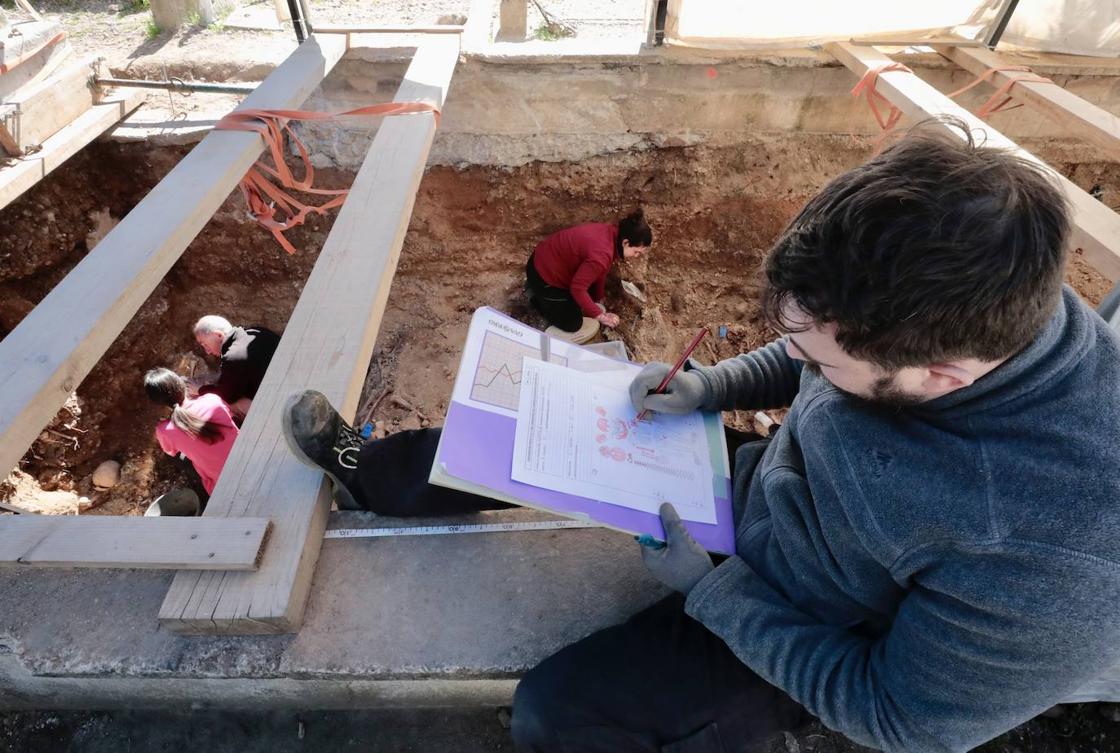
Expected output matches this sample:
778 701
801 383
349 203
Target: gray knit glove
684 393
680 563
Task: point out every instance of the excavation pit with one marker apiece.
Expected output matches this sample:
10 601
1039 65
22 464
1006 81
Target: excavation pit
715 211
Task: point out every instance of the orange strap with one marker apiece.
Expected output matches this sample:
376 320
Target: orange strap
5 67
998 101
264 198
866 86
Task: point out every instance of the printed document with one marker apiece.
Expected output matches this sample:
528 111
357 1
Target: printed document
577 433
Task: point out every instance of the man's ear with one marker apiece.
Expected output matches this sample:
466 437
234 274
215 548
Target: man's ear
943 378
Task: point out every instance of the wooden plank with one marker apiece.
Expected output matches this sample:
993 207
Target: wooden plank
46 107
30 169
1070 111
7 141
916 40
403 29
1096 227
49 353
327 346
29 9
148 543
15 508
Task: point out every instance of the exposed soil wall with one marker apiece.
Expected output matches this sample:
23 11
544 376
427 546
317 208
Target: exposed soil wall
714 210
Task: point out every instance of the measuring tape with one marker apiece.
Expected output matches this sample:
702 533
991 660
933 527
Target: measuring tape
373 533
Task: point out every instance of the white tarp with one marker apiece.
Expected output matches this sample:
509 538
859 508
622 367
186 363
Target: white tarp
1078 27
1085 27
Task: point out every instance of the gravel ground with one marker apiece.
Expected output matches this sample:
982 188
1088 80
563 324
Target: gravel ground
123 33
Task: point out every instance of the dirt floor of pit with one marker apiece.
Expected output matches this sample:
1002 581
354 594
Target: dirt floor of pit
715 211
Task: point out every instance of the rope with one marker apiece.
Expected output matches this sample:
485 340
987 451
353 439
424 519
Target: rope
270 205
866 86
998 101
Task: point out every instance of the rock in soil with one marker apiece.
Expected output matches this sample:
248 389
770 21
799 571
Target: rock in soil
107 475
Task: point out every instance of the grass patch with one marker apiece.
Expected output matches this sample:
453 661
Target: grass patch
152 30
551 31
223 14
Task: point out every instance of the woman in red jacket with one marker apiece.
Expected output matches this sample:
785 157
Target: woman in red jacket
567 273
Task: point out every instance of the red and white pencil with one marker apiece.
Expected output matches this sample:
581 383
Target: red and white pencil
680 362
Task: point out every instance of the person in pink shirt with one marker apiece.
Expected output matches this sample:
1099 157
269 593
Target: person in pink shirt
201 428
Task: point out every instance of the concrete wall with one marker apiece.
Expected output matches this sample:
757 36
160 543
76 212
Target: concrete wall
416 621
509 110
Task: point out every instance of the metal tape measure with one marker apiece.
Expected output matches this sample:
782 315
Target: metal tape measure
372 533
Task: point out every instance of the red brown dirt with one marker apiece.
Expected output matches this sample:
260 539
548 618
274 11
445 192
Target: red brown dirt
715 212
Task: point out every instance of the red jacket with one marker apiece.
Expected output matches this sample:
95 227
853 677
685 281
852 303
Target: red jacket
578 258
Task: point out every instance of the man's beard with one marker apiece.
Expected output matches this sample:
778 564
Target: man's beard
884 392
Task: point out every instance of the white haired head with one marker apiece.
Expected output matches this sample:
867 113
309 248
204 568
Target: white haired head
211 331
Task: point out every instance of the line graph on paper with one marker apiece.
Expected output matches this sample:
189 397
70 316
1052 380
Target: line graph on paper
497 378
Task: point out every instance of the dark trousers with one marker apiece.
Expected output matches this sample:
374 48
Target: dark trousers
392 479
658 683
556 305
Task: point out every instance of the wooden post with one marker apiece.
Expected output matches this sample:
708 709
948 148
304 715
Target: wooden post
1096 228
513 20
349 284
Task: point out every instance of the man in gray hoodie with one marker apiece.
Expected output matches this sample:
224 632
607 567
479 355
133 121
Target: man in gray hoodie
928 550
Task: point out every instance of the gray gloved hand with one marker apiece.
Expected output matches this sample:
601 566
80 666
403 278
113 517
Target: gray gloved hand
684 393
680 563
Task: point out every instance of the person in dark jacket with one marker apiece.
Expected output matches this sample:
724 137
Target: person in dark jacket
928 550
244 352
567 273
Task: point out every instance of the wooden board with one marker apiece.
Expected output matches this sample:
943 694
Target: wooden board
22 174
1079 117
49 353
149 543
403 29
44 108
7 141
15 508
1096 227
327 346
898 40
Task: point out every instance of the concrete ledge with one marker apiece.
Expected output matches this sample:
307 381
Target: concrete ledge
410 621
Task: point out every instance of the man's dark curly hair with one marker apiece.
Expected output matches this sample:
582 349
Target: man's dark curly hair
936 249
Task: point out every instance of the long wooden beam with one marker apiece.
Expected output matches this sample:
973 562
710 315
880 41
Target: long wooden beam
1070 111
49 353
401 29
1096 227
327 346
64 144
148 543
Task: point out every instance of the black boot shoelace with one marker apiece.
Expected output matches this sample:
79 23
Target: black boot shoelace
347 444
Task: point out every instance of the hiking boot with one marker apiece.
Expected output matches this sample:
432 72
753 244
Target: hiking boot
588 330
318 437
180 503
